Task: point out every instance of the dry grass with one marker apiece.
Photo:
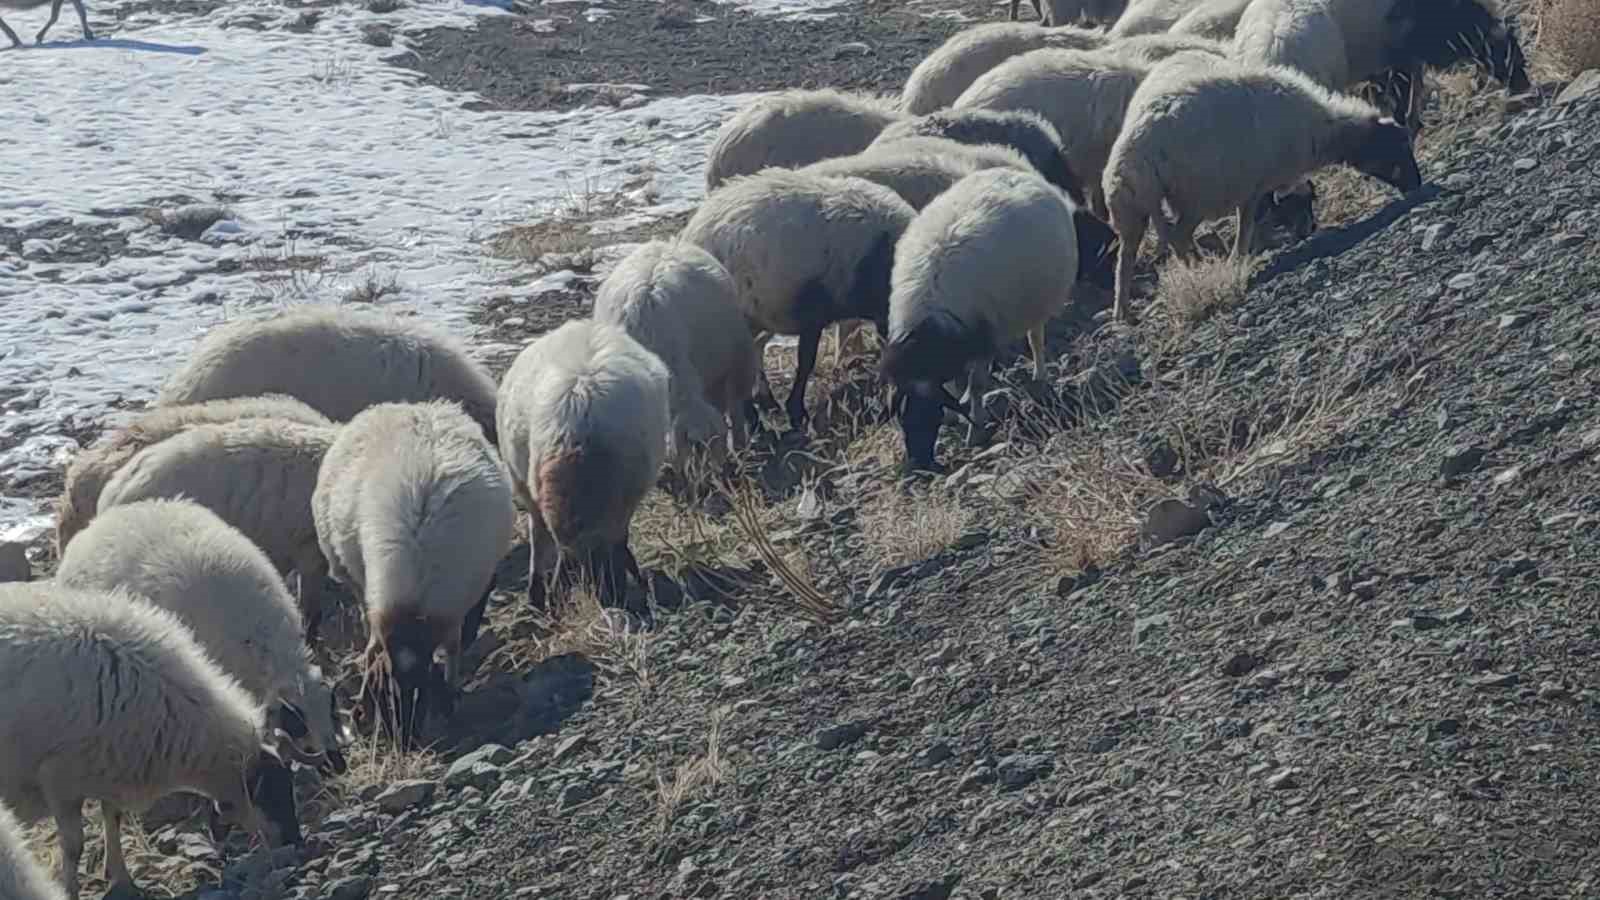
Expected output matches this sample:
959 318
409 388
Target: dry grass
372 287
800 595
617 647
1192 292
1566 36
901 527
692 778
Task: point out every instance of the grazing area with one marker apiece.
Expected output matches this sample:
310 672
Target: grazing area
506 520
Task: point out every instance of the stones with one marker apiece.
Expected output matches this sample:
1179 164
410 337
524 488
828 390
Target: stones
479 769
1283 779
1147 627
1172 519
404 795
1433 234
1525 164
573 794
1585 87
1022 769
1462 281
836 736
1513 320
356 887
1459 460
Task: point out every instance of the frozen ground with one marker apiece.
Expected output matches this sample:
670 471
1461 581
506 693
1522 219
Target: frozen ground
339 169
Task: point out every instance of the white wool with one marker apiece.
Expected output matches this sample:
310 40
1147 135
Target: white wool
919 169
1302 35
998 247
90 470
413 510
336 359
677 301
779 229
585 385
22 877
1216 20
185 559
795 128
942 75
1084 94
1150 49
256 474
1151 16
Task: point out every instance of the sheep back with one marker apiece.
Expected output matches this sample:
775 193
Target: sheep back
90 470
338 360
583 415
942 75
678 302
413 509
916 171
1150 16
804 250
1021 130
795 128
1302 34
1216 20
1150 49
987 260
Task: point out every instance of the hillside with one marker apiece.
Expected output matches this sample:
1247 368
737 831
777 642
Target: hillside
1367 664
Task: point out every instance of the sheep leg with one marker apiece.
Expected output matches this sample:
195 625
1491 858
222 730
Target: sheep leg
15 41
116 866
978 382
474 619
796 405
1244 238
1036 345
83 19
763 395
68 813
55 13
1129 236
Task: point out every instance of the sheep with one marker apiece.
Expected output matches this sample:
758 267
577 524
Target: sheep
21 876
55 13
90 470
942 75
1215 20
583 415
1083 94
917 170
109 698
1440 34
338 360
794 128
677 301
183 558
1021 130
413 511
988 261
1150 49
1265 127
1063 12
258 475
1151 16
805 251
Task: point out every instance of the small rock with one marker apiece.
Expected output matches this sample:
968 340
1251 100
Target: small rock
1240 665
809 508
574 794
1170 520
1146 627
469 772
1459 616
1459 460
1462 282
404 795
1585 87
1283 779
14 563
837 736
1275 529
852 49
1525 164
353 888
1514 320
1501 479
377 35
1433 234
567 748
1497 680
1022 769
935 753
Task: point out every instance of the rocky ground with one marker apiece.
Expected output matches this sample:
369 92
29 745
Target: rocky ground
1287 591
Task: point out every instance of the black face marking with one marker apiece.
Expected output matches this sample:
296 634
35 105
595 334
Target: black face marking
1097 258
292 721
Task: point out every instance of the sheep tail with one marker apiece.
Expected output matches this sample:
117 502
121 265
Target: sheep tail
936 349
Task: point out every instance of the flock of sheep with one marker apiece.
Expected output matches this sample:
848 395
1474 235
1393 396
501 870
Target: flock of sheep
170 653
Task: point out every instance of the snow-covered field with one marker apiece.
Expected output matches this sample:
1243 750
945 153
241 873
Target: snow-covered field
319 149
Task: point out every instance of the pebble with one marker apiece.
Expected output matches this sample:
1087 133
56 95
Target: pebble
837 736
1170 520
1525 164
1283 779
1022 769
353 888
1146 627
404 795
1462 281
574 794
1436 233
1585 87
1459 460
1514 320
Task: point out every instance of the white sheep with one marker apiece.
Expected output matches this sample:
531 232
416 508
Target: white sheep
987 262
338 360
805 251
584 412
1024 131
1215 20
942 75
676 300
1066 12
109 698
1151 16
919 170
183 558
1082 93
1263 127
795 128
21 876
413 511
257 475
55 13
1150 49
90 470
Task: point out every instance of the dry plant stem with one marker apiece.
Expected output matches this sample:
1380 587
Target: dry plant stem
807 601
695 776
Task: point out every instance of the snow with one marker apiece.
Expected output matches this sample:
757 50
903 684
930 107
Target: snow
317 147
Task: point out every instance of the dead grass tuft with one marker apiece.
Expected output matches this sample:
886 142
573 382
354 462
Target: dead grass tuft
904 527
607 638
373 287
1192 292
692 778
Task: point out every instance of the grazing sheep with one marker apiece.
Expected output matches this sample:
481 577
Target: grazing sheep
584 413
1021 130
413 511
678 302
93 467
338 360
942 75
1215 20
1150 49
1151 16
21 876
795 128
1440 34
122 705
1083 94
988 261
917 170
183 558
1266 127
257 475
805 251
1066 12
55 13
